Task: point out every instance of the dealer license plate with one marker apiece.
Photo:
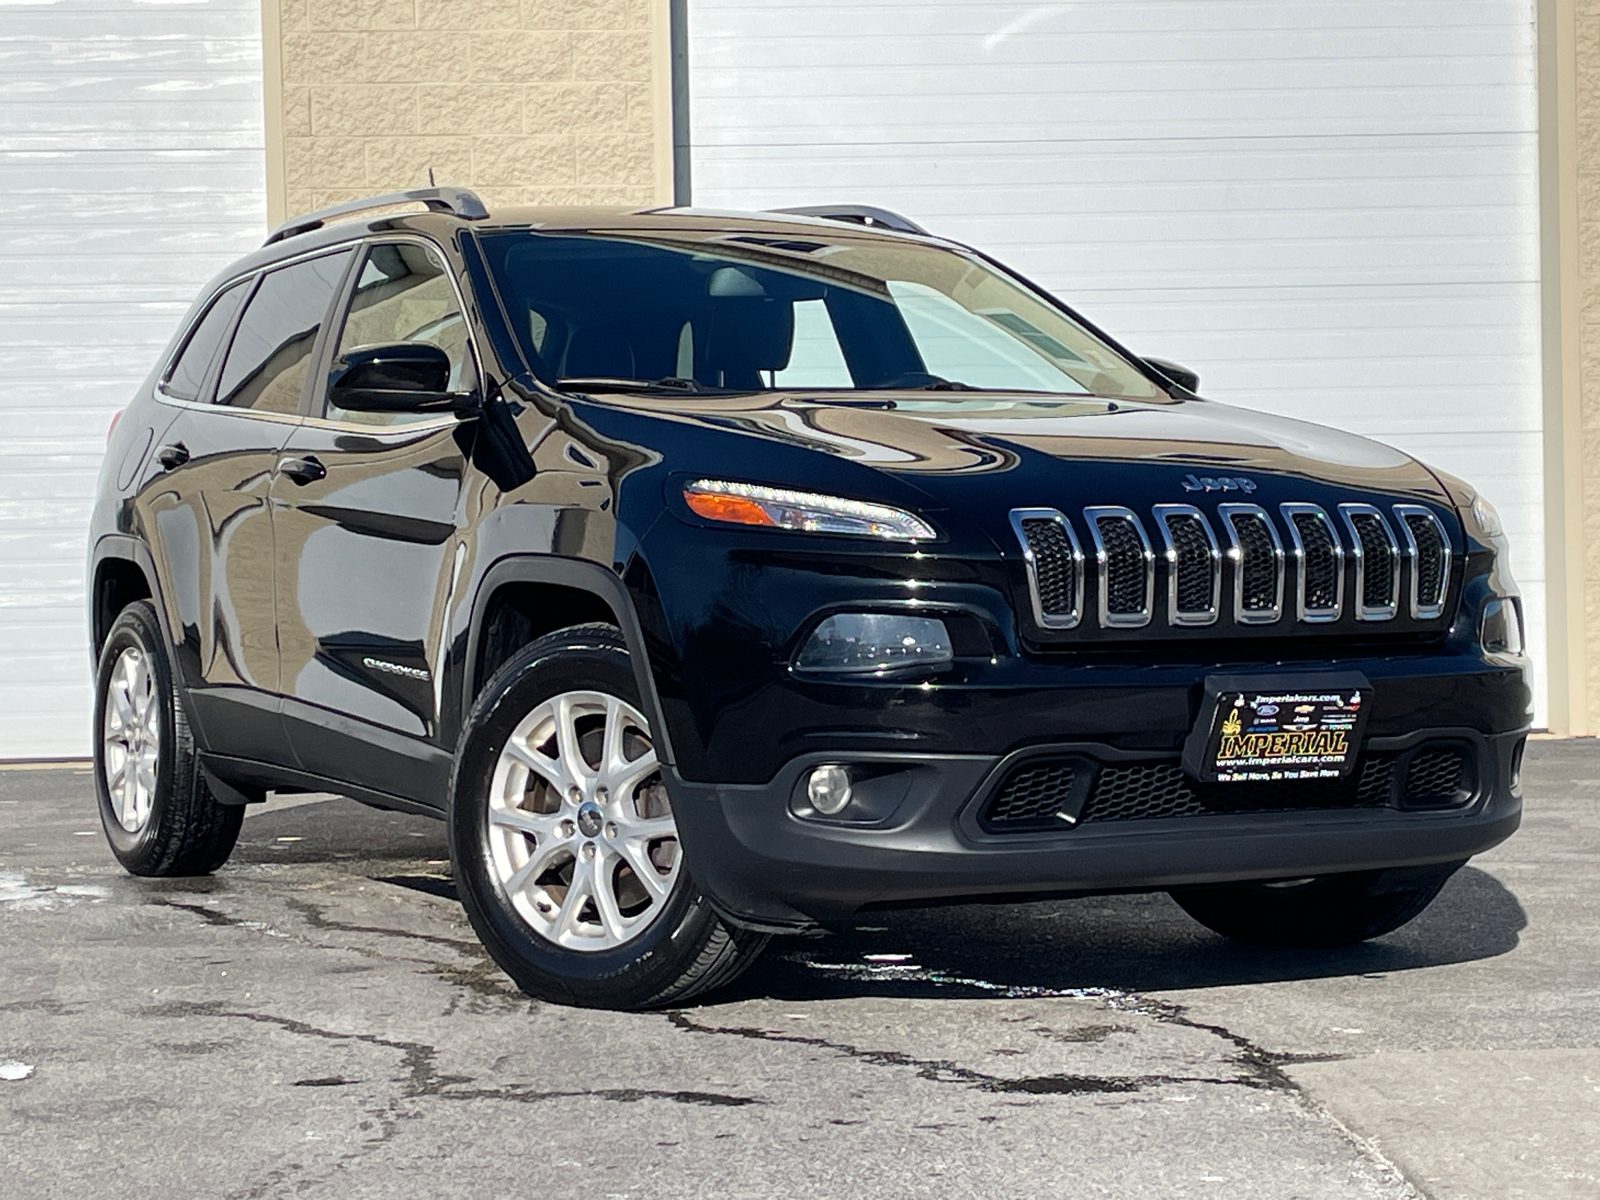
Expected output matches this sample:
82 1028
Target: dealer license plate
1268 736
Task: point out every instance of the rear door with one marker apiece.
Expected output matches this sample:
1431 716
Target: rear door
367 511
207 509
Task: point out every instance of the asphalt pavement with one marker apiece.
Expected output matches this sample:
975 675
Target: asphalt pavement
317 1020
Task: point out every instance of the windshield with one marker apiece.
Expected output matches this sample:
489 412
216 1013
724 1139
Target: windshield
708 311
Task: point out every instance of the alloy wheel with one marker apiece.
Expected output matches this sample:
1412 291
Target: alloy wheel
131 736
580 834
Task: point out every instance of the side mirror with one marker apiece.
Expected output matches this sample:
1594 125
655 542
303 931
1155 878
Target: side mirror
404 377
1188 380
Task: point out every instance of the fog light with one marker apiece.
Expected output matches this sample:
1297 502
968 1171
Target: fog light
868 643
828 789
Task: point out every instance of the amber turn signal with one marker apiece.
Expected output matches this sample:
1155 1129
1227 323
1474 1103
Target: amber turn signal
736 509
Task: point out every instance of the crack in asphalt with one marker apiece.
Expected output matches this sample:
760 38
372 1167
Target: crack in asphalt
315 916
945 1071
1261 1068
418 1059
483 977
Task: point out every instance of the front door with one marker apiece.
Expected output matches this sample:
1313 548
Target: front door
366 511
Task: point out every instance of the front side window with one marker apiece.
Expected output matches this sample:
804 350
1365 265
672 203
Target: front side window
188 374
713 311
266 366
404 294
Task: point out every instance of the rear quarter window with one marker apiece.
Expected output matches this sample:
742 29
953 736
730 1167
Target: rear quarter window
266 366
189 369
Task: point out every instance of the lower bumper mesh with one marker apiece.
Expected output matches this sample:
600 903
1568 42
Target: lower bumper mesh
1045 793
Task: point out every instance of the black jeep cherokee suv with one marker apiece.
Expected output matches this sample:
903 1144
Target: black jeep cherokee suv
717 575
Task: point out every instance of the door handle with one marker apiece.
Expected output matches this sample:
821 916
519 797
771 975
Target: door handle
172 456
302 470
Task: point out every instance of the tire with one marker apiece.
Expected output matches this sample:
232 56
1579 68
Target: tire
158 815
565 853
1328 910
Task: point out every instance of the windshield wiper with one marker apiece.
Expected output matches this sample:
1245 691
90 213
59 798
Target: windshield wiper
615 383
951 385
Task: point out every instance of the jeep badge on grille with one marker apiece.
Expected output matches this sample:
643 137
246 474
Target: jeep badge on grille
1218 483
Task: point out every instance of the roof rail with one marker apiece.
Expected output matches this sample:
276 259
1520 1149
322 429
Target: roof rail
858 214
457 201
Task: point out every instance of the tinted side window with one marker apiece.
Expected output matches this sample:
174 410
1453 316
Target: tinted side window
183 382
404 294
266 365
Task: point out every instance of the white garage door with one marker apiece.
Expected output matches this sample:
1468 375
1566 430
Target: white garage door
131 170
1326 207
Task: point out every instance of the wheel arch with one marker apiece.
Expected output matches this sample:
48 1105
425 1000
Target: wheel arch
122 570
550 592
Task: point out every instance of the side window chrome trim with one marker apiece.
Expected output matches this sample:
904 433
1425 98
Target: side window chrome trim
251 276
319 408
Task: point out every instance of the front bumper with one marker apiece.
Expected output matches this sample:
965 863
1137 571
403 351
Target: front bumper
767 866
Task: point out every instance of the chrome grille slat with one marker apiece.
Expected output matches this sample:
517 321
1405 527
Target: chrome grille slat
1377 555
1399 547
1054 561
1428 549
1257 556
1319 563
1126 566
1194 565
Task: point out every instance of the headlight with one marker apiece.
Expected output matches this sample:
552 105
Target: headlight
1487 517
1484 524
780 508
870 643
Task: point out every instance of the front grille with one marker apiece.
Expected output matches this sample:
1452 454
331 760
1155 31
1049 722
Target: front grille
1126 566
1055 566
1377 562
1046 793
1319 582
1194 565
1429 551
1258 564
1195 574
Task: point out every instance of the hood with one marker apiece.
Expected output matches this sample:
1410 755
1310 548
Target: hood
986 447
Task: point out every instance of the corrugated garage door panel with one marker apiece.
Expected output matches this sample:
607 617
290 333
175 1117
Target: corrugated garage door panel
1327 208
131 170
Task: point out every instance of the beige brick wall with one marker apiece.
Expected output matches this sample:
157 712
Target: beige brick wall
525 101
1586 19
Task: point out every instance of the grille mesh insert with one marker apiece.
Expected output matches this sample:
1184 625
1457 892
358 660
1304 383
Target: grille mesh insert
1258 563
1377 561
1434 778
1053 566
1430 560
1147 791
1127 581
1195 566
1320 564
1032 794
